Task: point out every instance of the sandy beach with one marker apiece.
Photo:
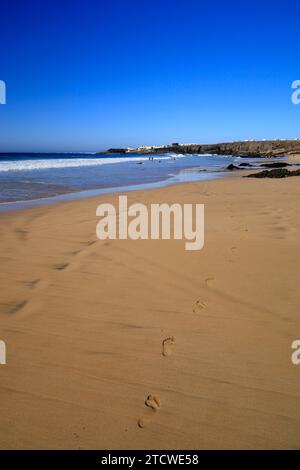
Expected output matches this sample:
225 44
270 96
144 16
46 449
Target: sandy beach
94 329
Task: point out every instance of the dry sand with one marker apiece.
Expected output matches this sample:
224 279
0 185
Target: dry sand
95 329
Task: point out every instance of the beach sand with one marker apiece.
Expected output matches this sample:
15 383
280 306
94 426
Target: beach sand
141 344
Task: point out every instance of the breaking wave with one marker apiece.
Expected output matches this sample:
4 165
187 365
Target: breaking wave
49 163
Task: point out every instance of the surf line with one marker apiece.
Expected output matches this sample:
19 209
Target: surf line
163 221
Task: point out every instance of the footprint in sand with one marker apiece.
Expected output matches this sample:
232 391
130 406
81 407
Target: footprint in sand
199 305
16 307
209 281
61 266
153 402
32 284
168 345
142 422
90 242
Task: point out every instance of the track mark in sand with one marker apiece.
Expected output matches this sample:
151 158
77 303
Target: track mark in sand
199 305
61 266
209 281
82 251
22 234
153 402
233 254
17 307
142 422
76 253
32 284
5 258
168 345
87 245
91 242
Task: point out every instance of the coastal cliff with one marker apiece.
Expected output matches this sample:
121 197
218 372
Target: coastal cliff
262 148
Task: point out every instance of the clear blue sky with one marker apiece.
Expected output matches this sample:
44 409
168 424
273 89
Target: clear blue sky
87 75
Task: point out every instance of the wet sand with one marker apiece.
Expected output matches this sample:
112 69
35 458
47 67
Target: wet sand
141 344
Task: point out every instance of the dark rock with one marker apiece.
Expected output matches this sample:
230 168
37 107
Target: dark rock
245 164
276 173
274 165
116 151
232 167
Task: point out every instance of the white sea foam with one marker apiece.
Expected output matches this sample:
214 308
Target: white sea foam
45 164
49 163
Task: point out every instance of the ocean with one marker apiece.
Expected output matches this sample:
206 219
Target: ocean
27 179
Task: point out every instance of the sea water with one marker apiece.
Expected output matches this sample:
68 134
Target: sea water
32 177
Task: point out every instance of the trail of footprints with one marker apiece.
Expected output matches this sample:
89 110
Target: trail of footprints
201 304
81 252
38 284
153 402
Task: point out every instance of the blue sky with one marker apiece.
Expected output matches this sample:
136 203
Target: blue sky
87 75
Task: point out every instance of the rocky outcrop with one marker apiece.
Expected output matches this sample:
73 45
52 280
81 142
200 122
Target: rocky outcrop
232 167
240 166
275 165
276 173
112 150
271 148
245 165
259 148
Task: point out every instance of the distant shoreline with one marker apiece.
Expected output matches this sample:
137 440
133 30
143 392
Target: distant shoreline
251 148
247 148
